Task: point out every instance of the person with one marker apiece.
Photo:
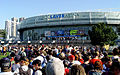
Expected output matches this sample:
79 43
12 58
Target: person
73 61
22 53
80 57
66 62
55 67
95 58
77 70
24 69
37 69
115 54
17 63
61 56
97 69
114 69
4 50
5 66
42 58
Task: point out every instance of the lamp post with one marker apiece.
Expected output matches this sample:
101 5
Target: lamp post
29 42
40 42
2 42
10 42
18 42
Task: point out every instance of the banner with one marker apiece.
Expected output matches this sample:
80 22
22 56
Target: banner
60 33
47 33
76 32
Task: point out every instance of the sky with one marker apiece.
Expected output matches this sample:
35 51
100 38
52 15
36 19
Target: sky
30 8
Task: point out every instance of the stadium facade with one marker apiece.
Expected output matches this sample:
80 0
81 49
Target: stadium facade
75 24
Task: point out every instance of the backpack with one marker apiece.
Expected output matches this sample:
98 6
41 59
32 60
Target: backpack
21 72
44 61
21 53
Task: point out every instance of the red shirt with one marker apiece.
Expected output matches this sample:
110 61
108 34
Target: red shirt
92 61
66 71
81 61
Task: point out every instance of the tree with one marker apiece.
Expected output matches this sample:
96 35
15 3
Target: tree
3 33
102 34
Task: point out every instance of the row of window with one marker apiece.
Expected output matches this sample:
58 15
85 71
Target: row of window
36 34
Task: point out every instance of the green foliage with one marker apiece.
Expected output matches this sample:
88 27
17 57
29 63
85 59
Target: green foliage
3 33
102 34
2 56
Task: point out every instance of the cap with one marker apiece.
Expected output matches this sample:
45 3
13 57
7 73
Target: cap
71 57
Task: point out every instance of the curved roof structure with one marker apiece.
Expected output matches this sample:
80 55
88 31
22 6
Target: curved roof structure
71 19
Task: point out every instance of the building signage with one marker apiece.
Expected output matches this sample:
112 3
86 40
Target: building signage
56 16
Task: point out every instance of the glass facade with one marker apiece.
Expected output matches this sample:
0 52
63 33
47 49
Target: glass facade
74 24
55 32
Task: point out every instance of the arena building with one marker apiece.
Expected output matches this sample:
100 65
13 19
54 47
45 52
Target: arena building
73 25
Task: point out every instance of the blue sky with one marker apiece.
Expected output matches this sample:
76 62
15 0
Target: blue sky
29 8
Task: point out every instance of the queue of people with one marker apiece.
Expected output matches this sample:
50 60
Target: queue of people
59 60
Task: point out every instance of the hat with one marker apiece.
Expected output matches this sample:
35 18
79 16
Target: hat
71 57
55 67
5 62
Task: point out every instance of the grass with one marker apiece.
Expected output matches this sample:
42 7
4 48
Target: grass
110 55
2 56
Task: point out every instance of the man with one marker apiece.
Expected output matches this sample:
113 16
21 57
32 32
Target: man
95 58
37 69
73 61
5 67
55 67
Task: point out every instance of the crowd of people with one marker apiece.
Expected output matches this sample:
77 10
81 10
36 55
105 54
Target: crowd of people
59 60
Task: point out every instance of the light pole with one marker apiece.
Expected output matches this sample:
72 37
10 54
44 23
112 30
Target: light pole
29 42
40 42
18 42
2 42
10 42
